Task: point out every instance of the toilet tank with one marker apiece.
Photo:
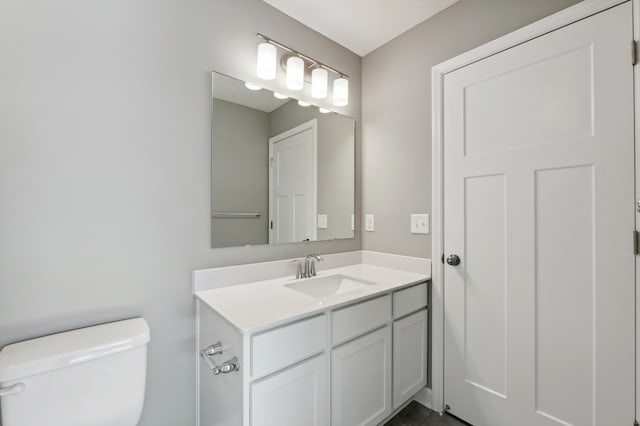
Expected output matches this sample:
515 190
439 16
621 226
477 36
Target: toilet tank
91 376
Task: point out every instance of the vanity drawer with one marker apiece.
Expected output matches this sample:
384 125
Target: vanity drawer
286 345
409 300
354 320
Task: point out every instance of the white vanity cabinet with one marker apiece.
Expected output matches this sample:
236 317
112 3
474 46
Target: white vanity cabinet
361 380
294 388
410 342
345 366
361 367
409 356
294 396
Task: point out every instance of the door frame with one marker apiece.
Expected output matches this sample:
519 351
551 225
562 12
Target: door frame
560 19
309 125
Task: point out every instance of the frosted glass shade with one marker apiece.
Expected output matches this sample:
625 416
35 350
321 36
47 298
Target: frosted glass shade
340 92
304 104
266 68
295 73
319 79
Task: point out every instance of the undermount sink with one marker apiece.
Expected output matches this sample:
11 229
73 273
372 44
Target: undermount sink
330 285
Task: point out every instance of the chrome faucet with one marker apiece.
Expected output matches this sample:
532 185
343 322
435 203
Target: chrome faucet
307 268
310 265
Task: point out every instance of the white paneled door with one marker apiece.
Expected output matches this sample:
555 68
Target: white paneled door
293 185
539 208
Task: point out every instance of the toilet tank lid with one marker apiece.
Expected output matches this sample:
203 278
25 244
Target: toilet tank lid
47 353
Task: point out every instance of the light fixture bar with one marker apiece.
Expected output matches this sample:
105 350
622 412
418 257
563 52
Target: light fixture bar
314 63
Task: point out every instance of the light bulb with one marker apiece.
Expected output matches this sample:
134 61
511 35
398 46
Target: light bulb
304 104
279 95
252 86
295 73
319 78
266 68
340 91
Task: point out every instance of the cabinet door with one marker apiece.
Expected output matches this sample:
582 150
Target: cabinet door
294 397
361 380
409 356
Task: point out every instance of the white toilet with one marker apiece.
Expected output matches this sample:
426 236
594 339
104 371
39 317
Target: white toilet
93 376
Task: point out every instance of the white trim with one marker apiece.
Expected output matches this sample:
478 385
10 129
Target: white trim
313 125
636 89
558 20
437 249
197 363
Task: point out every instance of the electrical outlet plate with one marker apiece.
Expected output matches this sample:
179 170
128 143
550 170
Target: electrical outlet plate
420 223
369 223
322 221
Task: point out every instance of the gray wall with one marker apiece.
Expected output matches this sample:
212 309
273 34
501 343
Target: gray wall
397 111
336 152
239 173
104 167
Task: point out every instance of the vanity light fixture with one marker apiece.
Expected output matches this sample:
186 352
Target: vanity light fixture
319 79
267 61
304 104
297 66
280 95
295 73
340 91
252 86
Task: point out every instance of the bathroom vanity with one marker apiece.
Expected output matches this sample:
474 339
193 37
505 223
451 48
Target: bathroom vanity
347 347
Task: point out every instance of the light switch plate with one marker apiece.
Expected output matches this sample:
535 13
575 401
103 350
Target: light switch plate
369 223
420 223
322 221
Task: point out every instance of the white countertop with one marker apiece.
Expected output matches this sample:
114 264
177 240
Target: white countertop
265 304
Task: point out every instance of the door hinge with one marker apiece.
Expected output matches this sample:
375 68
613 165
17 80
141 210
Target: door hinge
634 52
270 224
636 242
271 160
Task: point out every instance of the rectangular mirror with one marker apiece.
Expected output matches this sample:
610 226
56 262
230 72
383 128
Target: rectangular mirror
280 172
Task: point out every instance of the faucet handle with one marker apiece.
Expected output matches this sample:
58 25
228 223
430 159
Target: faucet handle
299 273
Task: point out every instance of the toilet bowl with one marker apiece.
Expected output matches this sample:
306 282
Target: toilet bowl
91 376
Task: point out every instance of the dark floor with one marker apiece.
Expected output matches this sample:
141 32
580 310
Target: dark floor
416 414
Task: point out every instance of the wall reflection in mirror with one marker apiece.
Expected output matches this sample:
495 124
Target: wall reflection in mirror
280 172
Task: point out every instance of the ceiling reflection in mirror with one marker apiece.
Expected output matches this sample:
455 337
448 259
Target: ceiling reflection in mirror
280 172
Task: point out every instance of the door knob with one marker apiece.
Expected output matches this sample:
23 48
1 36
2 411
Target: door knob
453 260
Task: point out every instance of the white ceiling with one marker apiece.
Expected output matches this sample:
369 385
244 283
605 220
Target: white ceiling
361 25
